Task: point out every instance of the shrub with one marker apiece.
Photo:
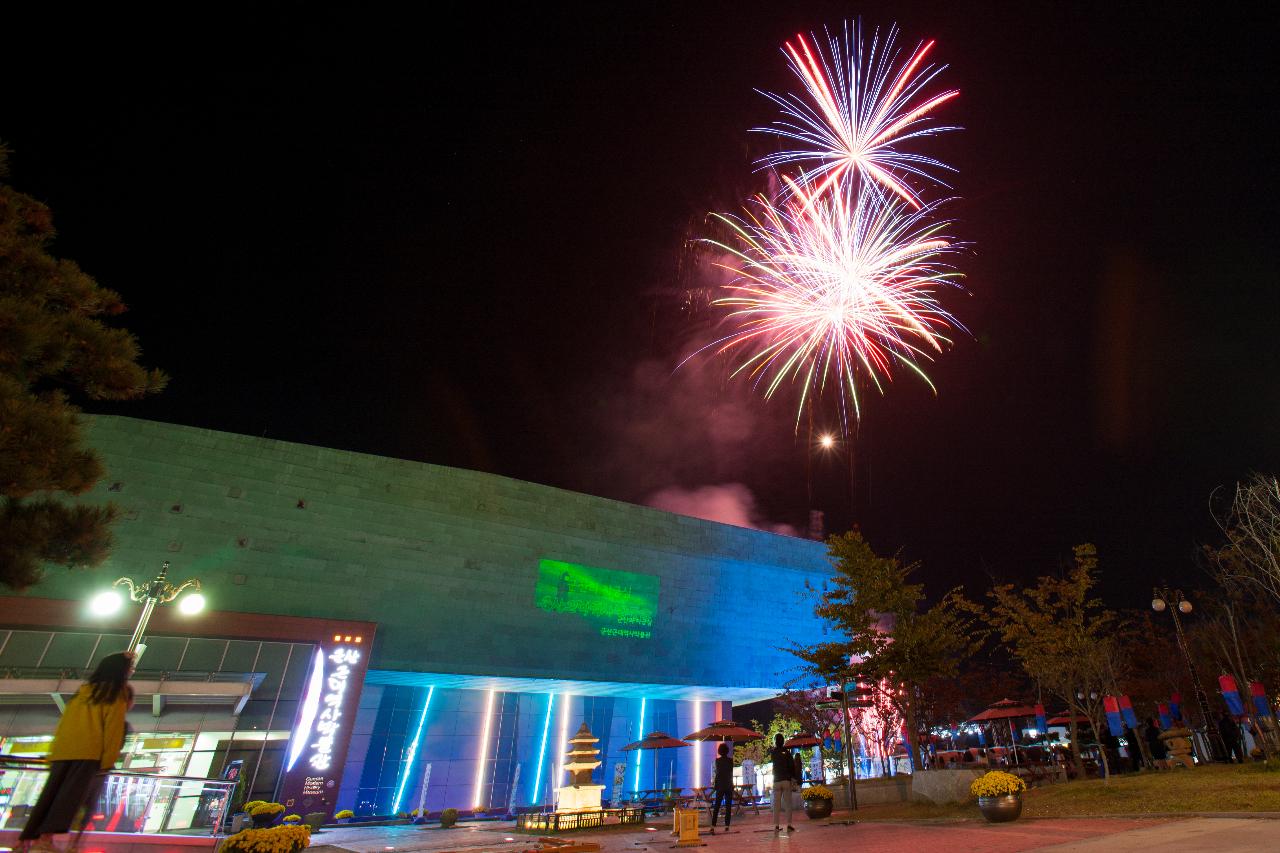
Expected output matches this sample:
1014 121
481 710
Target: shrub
996 783
267 808
817 792
277 839
448 818
248 807
344 814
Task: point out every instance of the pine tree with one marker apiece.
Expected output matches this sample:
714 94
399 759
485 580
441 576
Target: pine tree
54 342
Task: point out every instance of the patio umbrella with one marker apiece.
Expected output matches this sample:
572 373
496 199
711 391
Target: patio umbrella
1006 709
725 730
655 740
1064 719
802 742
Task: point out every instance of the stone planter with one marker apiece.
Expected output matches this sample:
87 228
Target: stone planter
1001 809
817 808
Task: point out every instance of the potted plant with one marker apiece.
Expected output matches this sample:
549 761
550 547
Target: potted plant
277 839
292 819
448 818
999 795
817 801
344 816
265 814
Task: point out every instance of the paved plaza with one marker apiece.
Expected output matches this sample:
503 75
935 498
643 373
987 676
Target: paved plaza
952 836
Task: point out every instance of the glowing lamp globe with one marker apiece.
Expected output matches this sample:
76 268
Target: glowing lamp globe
1158 605
1184 606
827 441
191 604
105 603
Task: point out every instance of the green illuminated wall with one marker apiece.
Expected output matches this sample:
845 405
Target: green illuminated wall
461 570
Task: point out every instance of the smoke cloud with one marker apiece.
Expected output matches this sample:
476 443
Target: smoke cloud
728 503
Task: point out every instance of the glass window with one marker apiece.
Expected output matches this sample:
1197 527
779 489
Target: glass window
203 655
69 651
241 655
24 648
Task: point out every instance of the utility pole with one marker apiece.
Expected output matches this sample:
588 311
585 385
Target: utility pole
1175 602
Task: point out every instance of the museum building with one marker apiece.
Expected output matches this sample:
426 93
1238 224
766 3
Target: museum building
385 635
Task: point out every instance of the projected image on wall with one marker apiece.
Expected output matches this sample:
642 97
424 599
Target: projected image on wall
620 604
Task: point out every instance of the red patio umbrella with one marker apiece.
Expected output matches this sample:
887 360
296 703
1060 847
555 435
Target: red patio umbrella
1064 719
655 740
1006 709
801 742
724 730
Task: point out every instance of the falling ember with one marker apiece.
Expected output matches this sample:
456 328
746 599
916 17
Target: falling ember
859 106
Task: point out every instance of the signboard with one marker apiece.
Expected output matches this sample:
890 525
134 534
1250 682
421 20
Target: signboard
617 603
318 746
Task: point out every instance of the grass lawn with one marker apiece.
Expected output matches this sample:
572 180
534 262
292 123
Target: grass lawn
1216 788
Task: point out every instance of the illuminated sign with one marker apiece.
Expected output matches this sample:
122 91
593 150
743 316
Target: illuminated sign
617 603
322 730
329 721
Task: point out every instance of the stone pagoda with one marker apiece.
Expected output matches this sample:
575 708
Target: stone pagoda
580 795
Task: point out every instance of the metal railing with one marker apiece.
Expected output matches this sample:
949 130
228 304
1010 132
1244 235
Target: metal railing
71 674
126 802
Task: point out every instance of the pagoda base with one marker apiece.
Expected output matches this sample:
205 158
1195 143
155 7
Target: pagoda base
579 798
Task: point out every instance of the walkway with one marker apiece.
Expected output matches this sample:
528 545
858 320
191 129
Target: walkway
755 835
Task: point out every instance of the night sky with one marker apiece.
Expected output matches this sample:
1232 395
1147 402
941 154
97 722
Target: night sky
462 238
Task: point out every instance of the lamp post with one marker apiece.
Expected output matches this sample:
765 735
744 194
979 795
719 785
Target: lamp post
1175 602
156 591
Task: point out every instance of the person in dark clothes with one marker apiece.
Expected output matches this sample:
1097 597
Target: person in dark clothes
87 741
1230 732
1111 744
784 782
722 784
1159 749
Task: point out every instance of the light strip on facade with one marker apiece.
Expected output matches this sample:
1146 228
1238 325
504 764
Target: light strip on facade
640 752
484 750
413 750
697 747
310 706
564 741
542 750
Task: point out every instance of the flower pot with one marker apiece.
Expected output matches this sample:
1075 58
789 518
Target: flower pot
1001 809
817 808
262 821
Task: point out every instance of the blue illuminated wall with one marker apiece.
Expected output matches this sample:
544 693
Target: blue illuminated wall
450 741
275 527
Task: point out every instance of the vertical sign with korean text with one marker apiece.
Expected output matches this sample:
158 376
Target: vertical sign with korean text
318 744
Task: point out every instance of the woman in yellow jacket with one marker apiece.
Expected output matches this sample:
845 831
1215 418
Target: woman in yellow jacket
88 741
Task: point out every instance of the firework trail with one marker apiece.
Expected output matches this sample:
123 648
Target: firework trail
828 286
859 105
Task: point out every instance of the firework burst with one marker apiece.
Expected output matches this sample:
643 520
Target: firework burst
829 286
859 105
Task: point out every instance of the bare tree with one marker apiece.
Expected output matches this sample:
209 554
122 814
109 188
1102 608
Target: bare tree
1251 524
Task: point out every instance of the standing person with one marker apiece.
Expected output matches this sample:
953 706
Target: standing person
1158 749
783 781
1230 732
722 784
87 741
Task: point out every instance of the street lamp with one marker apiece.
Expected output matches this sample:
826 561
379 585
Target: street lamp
155 591
1173 600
